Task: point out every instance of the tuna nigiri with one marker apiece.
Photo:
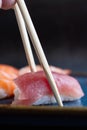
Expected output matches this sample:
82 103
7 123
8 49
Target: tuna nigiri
8 73
33 88
7 85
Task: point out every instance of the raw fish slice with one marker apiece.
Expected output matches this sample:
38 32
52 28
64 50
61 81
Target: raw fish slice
26 69
7 71
7 85
7 88
60 70
33 88
5 75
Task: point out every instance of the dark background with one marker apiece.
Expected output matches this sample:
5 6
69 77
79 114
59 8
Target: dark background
62 29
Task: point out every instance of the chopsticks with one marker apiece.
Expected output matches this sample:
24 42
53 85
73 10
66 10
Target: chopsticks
38 48
25 39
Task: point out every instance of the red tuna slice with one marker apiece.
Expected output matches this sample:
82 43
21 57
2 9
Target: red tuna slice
34 86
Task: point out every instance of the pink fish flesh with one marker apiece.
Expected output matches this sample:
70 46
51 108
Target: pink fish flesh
33 88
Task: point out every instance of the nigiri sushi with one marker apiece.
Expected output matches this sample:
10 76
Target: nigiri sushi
33 89
7 85
8 73
26 69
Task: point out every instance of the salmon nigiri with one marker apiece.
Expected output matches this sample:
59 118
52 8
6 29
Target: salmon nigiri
7 85
33 88
8 71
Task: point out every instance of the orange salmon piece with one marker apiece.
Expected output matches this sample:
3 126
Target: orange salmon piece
6 88
7 85
8 71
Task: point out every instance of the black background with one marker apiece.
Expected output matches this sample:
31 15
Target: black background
62 29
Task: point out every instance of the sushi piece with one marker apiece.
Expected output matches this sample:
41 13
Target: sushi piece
33 89
26 69
7 88
8 71
7 85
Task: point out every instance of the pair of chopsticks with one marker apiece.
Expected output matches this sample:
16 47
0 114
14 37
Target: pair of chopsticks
25 24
